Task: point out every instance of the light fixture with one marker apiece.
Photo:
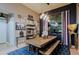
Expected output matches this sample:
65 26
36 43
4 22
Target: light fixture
3 15
48 3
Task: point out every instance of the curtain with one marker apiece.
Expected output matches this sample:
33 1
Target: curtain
65 21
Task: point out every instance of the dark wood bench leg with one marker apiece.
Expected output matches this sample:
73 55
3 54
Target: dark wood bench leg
30 47
37 50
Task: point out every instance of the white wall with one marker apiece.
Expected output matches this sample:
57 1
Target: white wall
16 9
11 31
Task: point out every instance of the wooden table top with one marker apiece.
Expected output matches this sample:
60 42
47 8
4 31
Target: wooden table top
39 41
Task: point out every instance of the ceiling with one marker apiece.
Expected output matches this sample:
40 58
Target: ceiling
42 7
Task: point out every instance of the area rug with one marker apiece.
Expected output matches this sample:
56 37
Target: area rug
22 51
60 50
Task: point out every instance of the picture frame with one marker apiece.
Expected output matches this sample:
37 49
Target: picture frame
18 26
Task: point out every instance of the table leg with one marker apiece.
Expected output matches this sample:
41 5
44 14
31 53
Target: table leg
34 49
37 50
29 47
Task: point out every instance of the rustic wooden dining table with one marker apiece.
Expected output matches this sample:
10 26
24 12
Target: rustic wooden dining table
39 42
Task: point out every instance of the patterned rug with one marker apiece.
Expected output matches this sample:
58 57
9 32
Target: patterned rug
61 50
22 51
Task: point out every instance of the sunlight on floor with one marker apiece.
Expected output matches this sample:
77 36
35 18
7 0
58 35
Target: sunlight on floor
5 48
74 51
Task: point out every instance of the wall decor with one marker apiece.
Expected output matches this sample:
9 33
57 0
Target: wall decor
18 26
30 17
23 27
30 27
21 33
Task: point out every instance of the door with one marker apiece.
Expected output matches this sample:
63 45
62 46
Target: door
3 31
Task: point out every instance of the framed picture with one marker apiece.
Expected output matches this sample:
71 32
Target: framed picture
18 26
23 28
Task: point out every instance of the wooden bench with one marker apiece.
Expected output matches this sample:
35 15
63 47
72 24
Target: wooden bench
50 49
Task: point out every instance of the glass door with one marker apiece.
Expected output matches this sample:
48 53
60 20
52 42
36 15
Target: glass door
55 25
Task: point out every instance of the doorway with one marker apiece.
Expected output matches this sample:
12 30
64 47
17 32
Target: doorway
3 30
56 25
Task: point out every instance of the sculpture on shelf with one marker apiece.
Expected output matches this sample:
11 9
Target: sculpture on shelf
21 33
72 28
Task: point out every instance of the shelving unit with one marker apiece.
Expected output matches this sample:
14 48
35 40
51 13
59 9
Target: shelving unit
30 32
30 27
